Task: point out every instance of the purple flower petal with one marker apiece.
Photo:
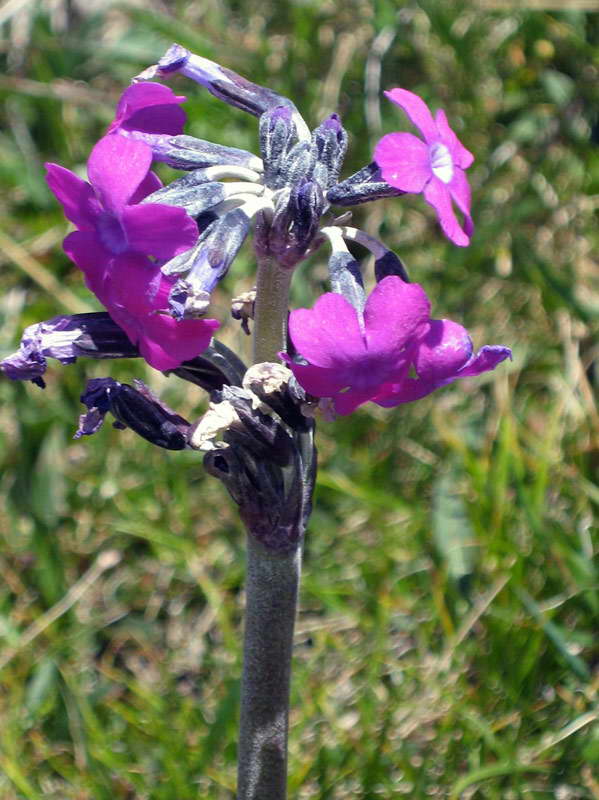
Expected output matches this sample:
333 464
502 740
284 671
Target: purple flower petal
444 355
135 300
346 402
459 189
460 156
159 230
417 111
149 108
90 423
399 337
395 313
435 167
404 161
437 194
92 258
165 342
75 195
133 286
488 357
443 351
116 168
318 381
329 334
96 397
151 183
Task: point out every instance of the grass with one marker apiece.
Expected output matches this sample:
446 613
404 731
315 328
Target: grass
447 639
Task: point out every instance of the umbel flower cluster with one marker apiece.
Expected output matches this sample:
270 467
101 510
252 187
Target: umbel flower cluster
153 254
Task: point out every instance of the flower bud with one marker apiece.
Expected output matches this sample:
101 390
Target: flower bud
66 338
361 187
136 408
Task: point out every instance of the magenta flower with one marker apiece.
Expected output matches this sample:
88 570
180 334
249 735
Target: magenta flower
434 166
352 360
120 246
149 108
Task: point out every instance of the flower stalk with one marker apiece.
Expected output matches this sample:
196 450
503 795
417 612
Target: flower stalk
270 314
272 584
271 590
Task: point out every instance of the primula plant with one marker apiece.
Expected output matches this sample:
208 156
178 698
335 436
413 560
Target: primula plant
153 254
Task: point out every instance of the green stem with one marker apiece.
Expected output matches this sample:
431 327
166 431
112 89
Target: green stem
270 311
272 584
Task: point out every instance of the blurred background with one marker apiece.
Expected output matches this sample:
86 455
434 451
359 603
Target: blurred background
447 642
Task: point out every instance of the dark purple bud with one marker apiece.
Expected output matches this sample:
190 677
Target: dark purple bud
189 153
329 145
216 367
97 398
298 165
277 132
346 278
66 338
362 187
268 467
260 433
390 264
306 206
277 387
294 226
209 263
136 408
223 83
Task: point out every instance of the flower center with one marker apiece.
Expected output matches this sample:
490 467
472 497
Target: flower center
111 233
441 162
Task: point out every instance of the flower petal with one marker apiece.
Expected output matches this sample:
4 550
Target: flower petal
444 350
417 111
327 335
346 402
116 168
166 120
438 360
90 255
460 156
395 314
318 381
151 183
159 230
488 357
150 108
437 195
165 342
134 285
404 161
459 189
75 195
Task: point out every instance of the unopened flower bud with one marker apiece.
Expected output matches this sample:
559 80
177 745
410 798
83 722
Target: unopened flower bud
133 407
363 186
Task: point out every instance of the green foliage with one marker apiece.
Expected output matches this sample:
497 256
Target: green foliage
446 644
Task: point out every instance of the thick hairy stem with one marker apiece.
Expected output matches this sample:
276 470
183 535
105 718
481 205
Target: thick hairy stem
272 584
270 312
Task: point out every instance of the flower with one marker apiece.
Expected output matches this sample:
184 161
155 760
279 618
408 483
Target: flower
120 246
434 166
353 360
66 338
149 108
